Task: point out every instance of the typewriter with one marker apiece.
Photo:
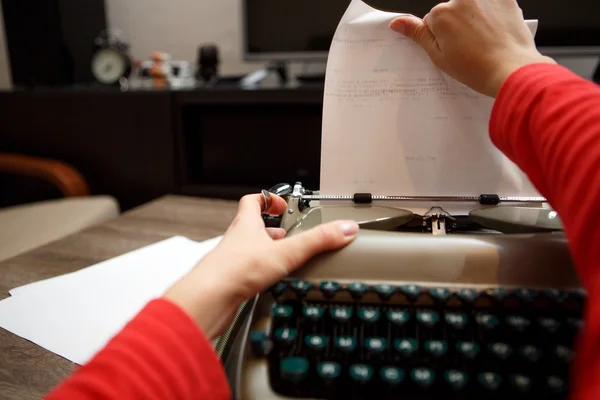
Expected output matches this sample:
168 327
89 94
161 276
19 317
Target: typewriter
418 306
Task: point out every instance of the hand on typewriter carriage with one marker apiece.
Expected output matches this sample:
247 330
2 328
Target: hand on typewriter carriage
250 259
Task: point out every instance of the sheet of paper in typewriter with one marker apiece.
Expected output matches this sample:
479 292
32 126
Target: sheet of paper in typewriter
394 124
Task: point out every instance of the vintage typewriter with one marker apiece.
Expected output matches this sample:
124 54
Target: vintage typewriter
475 306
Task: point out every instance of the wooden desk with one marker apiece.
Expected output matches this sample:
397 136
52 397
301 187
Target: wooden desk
28 371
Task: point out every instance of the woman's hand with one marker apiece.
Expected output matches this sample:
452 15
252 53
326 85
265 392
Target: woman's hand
249 259
477 42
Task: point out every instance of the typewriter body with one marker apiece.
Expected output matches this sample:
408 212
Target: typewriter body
482 305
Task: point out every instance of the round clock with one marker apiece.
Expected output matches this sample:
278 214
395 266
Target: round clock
110 60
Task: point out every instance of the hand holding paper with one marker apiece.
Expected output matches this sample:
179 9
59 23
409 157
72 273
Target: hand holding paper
454 33
395 124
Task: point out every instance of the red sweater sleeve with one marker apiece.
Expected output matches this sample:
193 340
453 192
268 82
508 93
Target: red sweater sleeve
546 119
161 354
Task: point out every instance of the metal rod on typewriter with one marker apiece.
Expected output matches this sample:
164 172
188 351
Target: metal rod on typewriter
483 199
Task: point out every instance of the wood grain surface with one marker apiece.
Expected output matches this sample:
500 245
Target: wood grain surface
28 371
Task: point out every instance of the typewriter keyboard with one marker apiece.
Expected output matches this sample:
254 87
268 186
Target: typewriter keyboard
358 341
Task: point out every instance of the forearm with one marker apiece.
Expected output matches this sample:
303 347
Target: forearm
160 354
547 120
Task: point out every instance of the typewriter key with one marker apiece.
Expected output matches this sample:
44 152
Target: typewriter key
423 377
436 348
501 350
490 381
520 382
468 350
313 312
368 315
412 292
467 296
301 287
346 344
406 347
375 345
357 290
392 376
456 379
385 291
316 342
294 369
361 373
530 353
329 370
330 289
439 295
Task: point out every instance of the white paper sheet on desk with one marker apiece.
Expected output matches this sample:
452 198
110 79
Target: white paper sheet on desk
393 124
76 314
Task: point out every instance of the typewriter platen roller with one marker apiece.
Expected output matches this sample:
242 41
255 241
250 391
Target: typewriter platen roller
484 305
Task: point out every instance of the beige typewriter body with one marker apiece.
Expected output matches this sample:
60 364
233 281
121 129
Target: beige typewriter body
533 256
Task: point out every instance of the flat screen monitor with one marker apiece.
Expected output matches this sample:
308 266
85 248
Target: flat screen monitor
303 29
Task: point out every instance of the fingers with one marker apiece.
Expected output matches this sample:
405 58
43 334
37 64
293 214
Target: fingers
415 29
251 206
299 249
276 233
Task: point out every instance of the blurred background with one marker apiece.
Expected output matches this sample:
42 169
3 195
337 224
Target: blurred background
212 98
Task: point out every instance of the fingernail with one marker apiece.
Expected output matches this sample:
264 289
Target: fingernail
349 228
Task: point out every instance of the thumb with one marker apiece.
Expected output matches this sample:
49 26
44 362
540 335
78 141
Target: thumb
295 251
414 28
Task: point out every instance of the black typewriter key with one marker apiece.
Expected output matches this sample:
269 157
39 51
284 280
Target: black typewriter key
375 345
286 336
497 295
555 386
368 316
411 292
330 288
521 383
436 348
346 344
501 351
467 350
554 295
517 323
457 380
398 318
439 295
467 296
574 325
423 377
277 289
313 313
488 322
385 291
526 295
530 353
282 312
456 321
490 381
392 376
329 371
300 287
341 314
361 373
294 369
563 354
428 318
406 347
357 290
260 343
548 325
316 343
